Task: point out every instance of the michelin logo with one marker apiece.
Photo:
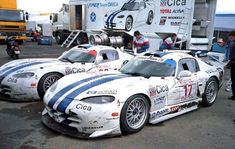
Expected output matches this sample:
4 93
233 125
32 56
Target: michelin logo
101 5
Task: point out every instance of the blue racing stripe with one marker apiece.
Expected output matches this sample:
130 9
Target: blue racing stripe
108 19
9 67
69 98
114 15
20 67
59 94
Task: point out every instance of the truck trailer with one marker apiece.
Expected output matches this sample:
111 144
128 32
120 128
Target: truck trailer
113 22
12 21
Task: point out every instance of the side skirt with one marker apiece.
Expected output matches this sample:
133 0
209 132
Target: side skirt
173 111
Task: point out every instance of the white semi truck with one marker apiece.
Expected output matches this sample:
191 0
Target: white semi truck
113 22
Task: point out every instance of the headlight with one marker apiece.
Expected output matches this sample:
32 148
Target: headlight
24 75
121 16
99 99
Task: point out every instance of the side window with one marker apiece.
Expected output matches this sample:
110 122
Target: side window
142 5
188 64
109 55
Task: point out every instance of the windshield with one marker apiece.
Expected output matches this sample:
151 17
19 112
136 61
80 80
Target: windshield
79 56
148 68
130 6
12 15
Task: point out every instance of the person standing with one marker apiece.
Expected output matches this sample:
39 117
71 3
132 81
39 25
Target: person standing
220 46
140 42
231 63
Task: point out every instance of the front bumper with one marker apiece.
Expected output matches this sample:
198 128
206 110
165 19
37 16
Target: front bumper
81 125
18 90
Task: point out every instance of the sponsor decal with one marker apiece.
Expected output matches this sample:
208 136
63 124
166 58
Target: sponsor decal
163 20
159 113
111 92
98 127
174 109
176 17
211 71
93 17
172 2
178 11
69 70
153 91
164 11
175 23
100 5
83 107
159 100
12 80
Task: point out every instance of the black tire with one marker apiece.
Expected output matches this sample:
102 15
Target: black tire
59 37
150 17
10 52
129 23
211 91
20 42
46 81
82 39
16 56
132 111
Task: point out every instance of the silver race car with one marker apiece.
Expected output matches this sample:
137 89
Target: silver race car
28 79
148 89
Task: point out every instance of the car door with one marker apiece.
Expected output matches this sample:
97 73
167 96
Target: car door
187 86
141 17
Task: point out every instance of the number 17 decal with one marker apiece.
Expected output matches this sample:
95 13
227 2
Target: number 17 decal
188 90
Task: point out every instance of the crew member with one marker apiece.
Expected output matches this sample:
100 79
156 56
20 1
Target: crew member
140 42
231 63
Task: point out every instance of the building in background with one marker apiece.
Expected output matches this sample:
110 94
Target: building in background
224 23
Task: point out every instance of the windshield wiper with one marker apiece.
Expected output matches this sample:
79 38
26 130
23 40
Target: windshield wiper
138 74
67 59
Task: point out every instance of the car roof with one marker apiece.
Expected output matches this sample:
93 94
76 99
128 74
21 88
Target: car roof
89 47
175 55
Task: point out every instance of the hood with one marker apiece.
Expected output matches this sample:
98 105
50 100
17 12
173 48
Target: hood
26 64
110 16
76 87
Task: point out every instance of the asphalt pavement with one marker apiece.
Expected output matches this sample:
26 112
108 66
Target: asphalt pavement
205 128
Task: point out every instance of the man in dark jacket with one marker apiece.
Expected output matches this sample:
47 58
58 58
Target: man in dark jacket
231 63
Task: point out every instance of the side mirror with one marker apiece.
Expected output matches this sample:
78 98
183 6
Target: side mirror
99 59
184 73
125 62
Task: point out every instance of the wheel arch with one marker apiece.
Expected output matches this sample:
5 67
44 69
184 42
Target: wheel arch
38 83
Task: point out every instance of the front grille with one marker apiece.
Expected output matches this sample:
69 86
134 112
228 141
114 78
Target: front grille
5 91
1 78
63 118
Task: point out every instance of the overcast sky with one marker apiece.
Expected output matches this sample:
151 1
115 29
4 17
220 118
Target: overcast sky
49 6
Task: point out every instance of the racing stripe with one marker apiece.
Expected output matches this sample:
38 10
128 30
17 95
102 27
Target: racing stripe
59 94
108 19
20 67
9 67
69 98
114 15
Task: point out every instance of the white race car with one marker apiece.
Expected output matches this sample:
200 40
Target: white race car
28 79
148 89
132 12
